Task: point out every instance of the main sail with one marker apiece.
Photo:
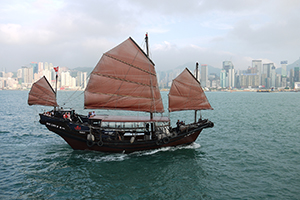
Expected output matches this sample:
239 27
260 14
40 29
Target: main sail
186 93
124 79
42 93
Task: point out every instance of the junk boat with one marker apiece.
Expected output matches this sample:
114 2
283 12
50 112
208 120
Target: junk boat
125 79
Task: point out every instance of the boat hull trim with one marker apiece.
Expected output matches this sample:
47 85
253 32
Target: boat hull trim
85 134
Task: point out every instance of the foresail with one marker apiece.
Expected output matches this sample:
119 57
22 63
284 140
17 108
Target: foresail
124 79
42 93
186 93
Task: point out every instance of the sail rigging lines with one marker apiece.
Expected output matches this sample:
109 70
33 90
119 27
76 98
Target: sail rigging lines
124 79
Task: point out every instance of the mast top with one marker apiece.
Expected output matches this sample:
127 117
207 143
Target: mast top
147 46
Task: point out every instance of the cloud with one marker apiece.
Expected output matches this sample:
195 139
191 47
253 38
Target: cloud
75 33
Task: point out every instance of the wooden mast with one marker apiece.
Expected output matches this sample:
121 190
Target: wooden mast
147 53
56 77
197 80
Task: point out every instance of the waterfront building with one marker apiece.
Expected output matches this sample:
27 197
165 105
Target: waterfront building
230 74
278 82
297 86
35 67
40 66
292 78
273 77
227 65
223 78
46 66
267 68
81 79
258 65
243 81
284 82
204 75
283 68
263 80
231 78
296 77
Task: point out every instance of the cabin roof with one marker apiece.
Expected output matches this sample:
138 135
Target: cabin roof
109 118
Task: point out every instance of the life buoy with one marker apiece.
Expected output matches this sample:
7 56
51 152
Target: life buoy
158 142
166 140
90 137
90 143
100 143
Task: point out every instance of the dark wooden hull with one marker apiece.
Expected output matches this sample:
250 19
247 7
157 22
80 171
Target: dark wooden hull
77 139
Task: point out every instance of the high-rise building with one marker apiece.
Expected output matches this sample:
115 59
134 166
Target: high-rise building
283 82
273 77
296 77
283 68
227 65
257 64
223 78
35 67
204 75
267 68
231 78
278 81
292 74
230 73
40 66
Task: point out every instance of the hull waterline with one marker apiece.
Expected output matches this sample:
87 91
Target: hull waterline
78 140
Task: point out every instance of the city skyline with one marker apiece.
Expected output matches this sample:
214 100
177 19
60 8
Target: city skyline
258 75
76 33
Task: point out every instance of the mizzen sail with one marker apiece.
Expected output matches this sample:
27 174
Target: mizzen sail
186 93
124 79
42 93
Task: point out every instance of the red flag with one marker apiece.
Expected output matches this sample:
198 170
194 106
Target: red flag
56 69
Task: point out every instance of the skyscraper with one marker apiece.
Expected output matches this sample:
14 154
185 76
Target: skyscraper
227 65
257 64
35 67
283 68
223 78
296 77
229 68
231 78
273 77
204 75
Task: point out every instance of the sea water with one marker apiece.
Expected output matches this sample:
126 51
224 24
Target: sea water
252 152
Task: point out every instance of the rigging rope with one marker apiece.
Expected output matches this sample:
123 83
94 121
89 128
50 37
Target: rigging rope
68 99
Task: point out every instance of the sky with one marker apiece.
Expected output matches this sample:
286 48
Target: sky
75 33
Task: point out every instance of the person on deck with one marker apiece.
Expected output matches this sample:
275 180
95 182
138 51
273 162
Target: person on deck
178 126
89 115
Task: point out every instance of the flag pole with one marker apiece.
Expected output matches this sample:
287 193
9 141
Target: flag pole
56 77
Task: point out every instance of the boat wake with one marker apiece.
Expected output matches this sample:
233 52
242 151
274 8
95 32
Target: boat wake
106 158
122 157
151 152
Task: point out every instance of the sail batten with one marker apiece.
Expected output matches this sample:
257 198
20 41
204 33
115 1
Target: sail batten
186 93
130 64
42 93
124 79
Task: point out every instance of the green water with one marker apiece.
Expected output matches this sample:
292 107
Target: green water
251 153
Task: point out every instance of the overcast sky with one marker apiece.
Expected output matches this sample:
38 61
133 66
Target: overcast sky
75 33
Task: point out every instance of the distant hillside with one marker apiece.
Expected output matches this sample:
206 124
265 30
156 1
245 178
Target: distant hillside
84 69
192 66
74 71
290 66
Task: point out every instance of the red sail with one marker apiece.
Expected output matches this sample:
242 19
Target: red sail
124 79
42 93
186 93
